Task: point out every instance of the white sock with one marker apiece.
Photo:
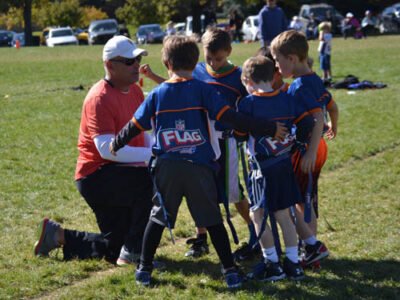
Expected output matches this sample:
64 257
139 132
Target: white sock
270 254
312 240
291 253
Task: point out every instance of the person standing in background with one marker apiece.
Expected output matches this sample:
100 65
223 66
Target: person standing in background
272 21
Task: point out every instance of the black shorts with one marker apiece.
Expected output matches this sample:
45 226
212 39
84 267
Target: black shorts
176 179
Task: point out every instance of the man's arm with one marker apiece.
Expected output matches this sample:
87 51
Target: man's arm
126 155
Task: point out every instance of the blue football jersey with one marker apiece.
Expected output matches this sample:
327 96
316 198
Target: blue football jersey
228 84
181 114
275 106
310 90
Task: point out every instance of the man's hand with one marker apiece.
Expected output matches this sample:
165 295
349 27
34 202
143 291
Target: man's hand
308 162
281 131
112 149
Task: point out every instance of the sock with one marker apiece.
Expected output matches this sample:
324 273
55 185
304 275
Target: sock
270 254
291 253
253 234
220 240
202 236
311 240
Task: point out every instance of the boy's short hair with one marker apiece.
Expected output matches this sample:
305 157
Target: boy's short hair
215 39
180 52
291 42
266 52
258 68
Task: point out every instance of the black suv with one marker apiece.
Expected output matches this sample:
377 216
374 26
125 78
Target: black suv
6 38
322 12
101 31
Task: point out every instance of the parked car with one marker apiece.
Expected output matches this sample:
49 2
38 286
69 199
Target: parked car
322 12
250 29
390 19
6 38
61 37
180 28
44 35
150 33
101 31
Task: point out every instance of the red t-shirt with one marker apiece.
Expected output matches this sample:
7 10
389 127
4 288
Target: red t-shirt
106 110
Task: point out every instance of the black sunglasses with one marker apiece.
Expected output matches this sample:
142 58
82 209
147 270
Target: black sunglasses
128 61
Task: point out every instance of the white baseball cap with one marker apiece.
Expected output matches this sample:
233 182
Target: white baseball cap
349 15
122 46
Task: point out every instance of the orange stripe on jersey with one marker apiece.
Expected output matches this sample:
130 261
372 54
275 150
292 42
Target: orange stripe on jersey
267 94
315 110
227 86
219 75
240 133
137 124
178 79
222 111
301 117
179 110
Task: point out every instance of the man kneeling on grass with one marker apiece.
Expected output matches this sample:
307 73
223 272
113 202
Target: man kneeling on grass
117 188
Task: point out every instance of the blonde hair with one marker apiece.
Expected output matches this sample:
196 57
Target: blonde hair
325 26
291 42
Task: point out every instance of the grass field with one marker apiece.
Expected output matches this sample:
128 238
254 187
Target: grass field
359 188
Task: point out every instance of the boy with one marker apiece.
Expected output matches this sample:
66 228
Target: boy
225 77
186 148
324 49
290 51
272 159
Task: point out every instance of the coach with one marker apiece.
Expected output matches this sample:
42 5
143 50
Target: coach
272 21
117 188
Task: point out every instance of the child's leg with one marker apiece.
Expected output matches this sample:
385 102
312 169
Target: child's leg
220 240
304 229
151 240
288 228
267 240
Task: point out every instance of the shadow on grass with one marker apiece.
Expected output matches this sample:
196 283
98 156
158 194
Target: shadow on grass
338 279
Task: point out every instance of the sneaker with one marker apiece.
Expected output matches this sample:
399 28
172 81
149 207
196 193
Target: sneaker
293 271
143 275
47 237
198 247
245 252
267 271
127 258
315 252
233 278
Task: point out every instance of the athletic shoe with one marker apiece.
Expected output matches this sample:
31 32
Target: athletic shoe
293 271
47 237
315 252
246 252
233 277
199 247
127 258
267 271
143 275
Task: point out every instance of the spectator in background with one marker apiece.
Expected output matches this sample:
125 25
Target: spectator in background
368 23
235 25
351 27
296 24
170 28
272 21
312 28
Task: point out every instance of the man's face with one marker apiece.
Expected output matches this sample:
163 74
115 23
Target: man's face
125 70
285 64
271 3
217 59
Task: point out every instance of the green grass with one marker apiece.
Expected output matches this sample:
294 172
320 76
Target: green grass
359 188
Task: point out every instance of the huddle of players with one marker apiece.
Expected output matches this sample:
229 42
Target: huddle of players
198 116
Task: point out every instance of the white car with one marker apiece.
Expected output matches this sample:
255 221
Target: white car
61 36
250 29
